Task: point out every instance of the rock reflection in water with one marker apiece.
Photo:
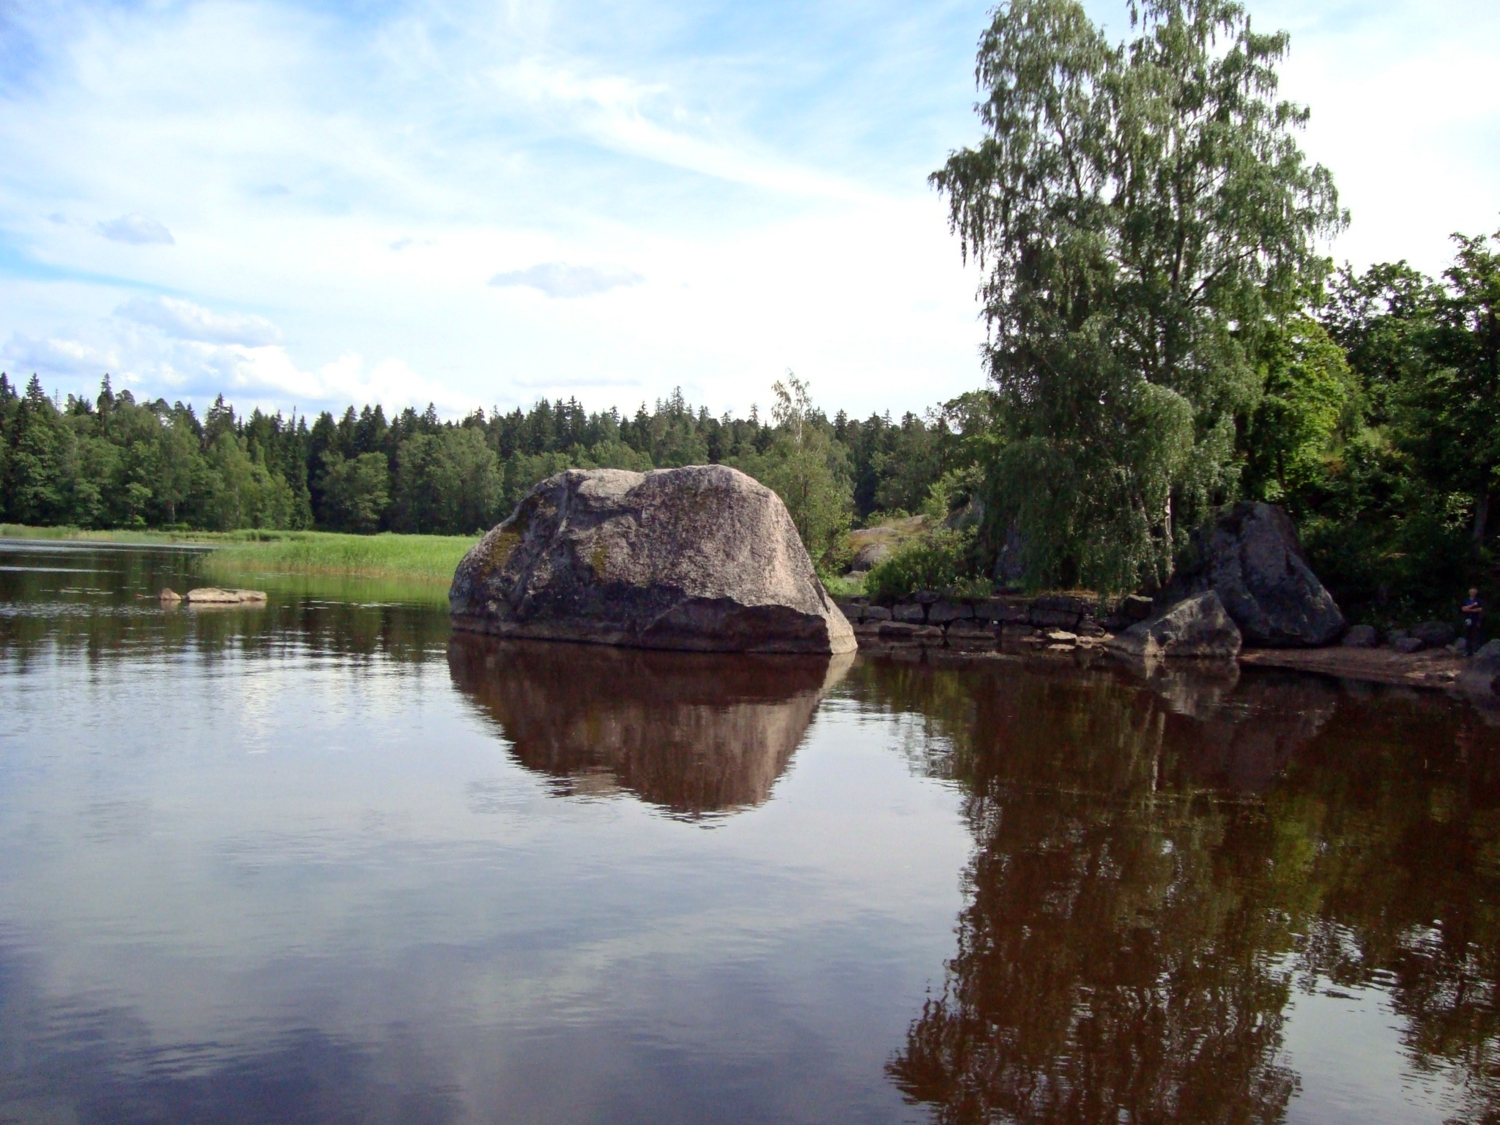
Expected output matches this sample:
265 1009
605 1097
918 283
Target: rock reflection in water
1162 865
693 733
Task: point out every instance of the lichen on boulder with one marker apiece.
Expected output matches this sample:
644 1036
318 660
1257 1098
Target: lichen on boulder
701 558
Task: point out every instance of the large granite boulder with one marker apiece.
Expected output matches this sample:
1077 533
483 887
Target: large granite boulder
1197 626
1250 556
701 558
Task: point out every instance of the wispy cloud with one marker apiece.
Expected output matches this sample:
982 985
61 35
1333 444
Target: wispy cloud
559 279
184 320
136 229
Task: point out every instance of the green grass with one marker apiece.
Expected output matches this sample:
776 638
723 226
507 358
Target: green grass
424 558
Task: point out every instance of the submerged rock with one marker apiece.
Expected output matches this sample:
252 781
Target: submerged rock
1251 557
1198 626
701 558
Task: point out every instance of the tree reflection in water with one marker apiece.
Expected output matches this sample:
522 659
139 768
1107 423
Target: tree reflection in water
1161 863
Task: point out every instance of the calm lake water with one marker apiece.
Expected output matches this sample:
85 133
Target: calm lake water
322 862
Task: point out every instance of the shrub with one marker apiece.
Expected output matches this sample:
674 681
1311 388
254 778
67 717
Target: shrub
941 559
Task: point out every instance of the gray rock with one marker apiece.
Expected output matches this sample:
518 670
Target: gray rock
1408 645
1045 618
1481 673
1435 634
877 613
1251 558
909 612
1361 636
1198 626
943 612
996 609
701 558
869 555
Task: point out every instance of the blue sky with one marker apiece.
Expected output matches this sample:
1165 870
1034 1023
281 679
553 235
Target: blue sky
478 204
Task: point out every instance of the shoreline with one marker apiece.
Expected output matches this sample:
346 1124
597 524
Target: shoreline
428 559
1432 668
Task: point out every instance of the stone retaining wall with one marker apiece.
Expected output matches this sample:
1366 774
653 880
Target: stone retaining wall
977 625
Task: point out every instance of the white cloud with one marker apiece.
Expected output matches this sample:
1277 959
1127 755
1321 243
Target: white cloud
187 321
357 176
136 229
559 279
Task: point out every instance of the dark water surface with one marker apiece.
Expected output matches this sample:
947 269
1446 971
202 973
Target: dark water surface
322 862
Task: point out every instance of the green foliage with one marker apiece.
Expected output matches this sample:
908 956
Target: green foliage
355 491
427 557
1309 406
941 559
805 467
1141 210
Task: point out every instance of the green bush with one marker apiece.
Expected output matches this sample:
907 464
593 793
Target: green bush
941 559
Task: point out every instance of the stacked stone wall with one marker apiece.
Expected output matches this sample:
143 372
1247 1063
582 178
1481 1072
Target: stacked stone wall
931 622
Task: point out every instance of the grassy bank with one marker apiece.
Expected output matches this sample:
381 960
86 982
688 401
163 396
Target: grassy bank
427 558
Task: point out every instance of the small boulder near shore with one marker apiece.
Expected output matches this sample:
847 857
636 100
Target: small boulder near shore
1197 627
701 558
1251 557
1481 673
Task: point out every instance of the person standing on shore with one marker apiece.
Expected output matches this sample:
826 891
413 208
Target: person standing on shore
1473 611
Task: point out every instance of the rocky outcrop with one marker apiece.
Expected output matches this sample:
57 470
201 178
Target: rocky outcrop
1198 626
1480 676
694 734
700 558
1250 556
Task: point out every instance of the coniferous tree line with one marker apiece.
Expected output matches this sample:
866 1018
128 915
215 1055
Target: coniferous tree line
114 462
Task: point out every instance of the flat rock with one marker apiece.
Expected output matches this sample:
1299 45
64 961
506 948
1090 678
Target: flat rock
214 595
701 558
1251 557
1198 626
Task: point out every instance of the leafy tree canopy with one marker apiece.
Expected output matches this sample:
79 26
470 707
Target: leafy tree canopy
1144 215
